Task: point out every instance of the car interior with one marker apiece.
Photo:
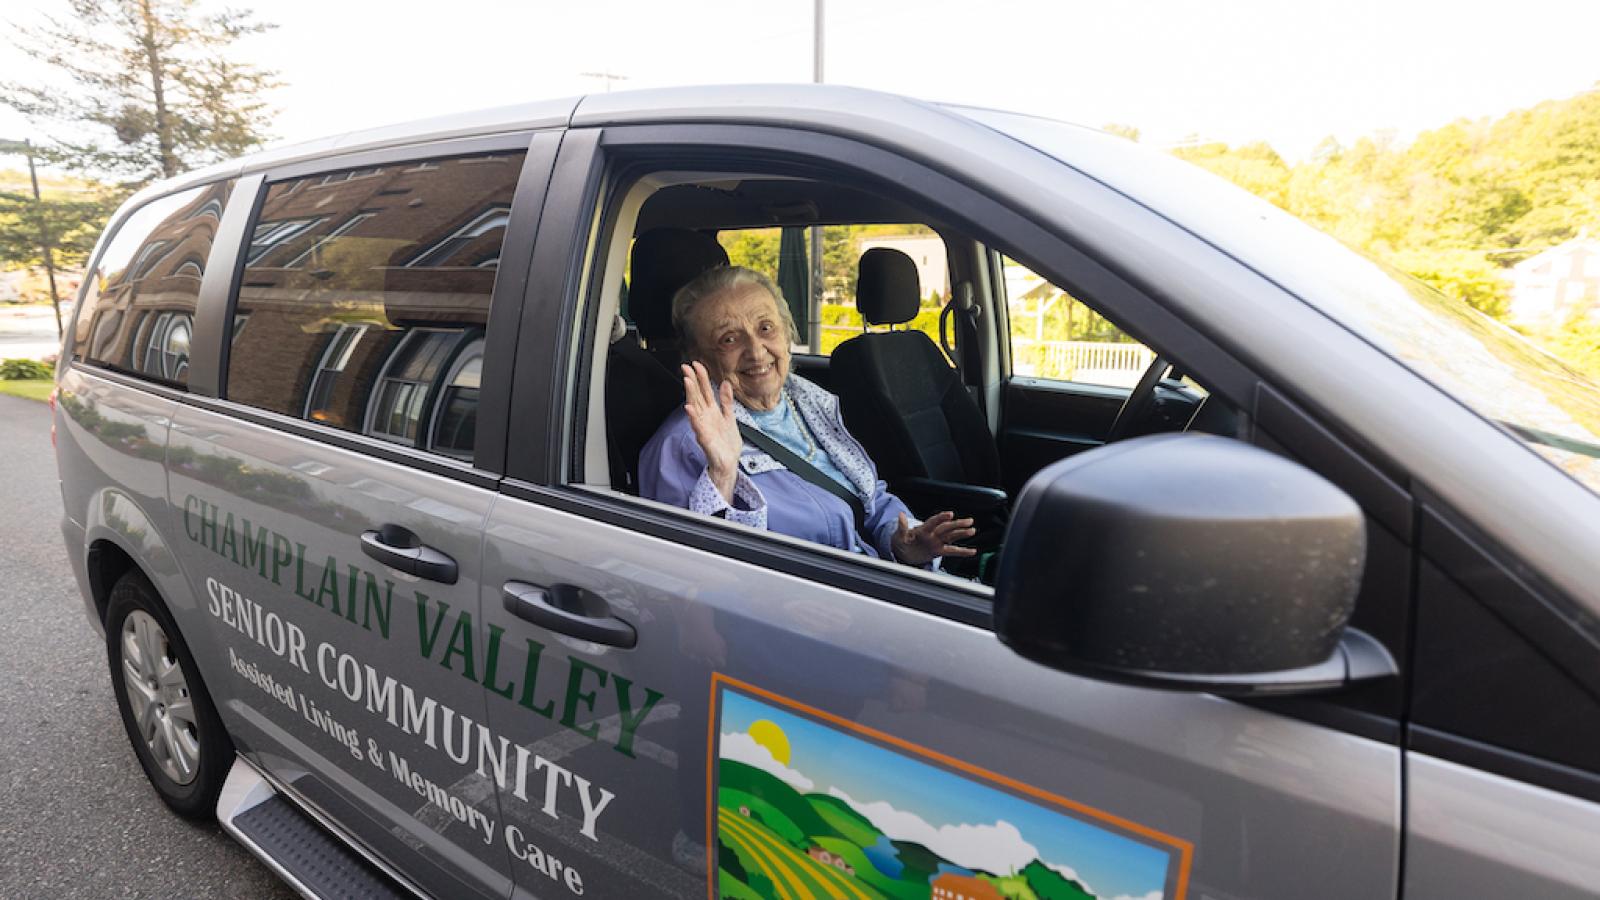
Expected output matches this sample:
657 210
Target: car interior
949 417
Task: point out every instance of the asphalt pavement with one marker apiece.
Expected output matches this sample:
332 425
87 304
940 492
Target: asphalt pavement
77 818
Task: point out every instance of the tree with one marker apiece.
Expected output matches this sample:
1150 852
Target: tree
153 90
52 232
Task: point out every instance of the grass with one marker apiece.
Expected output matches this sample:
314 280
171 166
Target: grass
28 388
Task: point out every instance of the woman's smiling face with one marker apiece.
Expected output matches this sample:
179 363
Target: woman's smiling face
740 337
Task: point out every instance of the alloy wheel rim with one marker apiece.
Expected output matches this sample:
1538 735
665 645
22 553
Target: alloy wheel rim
158 694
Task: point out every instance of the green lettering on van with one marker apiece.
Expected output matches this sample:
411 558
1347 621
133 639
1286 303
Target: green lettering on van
575 695
300 575
255 548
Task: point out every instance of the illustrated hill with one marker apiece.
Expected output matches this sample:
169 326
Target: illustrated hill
769 834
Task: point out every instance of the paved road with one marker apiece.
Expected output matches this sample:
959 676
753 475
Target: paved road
77 818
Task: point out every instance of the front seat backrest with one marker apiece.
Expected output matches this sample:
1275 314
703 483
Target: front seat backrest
664 260
899 395
643 388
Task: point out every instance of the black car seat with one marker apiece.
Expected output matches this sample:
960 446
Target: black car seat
907 405
643 385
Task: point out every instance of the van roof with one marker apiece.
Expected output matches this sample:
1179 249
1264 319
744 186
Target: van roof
842 110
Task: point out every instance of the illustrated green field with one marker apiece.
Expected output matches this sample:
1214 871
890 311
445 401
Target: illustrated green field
767 832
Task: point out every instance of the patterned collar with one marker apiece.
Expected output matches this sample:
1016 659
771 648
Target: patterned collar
819 411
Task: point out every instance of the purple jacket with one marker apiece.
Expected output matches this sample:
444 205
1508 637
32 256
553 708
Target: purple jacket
672 469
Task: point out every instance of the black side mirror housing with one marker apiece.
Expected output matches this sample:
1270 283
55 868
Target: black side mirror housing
1186 561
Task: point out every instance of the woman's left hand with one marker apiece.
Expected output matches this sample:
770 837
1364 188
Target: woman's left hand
934 537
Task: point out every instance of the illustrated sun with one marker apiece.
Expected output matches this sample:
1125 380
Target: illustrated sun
771 737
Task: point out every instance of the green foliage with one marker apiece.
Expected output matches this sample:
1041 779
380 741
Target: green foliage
1011 887
753 248
733 887
142 89
920 862
1255 167
867 873
849 823
763 813
1048 884
1577 344
1454 208
1465 274
841 323
19 369
68 226
741 778
729 861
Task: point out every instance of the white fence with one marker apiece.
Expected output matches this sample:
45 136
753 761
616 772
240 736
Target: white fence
1095 362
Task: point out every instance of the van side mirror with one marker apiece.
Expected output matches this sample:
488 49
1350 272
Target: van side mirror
1187 562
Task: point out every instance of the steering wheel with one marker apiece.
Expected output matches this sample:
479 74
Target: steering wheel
1141 400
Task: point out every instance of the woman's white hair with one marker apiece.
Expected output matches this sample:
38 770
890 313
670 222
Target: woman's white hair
715 281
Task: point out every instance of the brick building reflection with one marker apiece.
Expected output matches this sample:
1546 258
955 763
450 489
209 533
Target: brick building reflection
356 276
139 307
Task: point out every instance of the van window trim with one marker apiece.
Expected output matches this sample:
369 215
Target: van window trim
73 352
594 171
505 301
422 460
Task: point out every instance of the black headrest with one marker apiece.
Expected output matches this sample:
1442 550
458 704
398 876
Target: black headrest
665 259
887 289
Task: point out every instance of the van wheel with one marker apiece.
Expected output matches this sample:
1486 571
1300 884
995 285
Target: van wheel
170 719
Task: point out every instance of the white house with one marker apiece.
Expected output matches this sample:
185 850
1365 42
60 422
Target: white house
1559 284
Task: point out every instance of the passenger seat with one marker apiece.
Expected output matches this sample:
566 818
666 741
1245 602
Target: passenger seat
905 403
643 385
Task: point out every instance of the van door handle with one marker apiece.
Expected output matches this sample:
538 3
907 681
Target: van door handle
568 609
400 548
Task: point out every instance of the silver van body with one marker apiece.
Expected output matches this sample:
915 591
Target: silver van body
361 599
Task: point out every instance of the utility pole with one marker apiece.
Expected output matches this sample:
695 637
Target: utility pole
815 330
607 77
46 245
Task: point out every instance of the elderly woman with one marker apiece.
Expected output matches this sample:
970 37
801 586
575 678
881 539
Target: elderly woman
736 332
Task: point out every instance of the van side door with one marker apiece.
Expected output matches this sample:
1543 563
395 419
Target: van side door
332 492
737 711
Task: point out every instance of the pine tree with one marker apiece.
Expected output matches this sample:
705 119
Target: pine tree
153 90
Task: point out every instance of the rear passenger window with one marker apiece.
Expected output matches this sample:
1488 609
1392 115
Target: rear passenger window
138 311
365 294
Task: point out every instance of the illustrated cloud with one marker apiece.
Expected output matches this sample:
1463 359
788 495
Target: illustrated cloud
995 848
741 747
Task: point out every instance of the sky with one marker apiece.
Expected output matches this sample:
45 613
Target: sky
968 821
1289 73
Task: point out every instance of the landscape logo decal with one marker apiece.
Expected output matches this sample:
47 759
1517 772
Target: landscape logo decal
806 804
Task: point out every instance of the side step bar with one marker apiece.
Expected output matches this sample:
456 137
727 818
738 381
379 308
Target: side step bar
313 862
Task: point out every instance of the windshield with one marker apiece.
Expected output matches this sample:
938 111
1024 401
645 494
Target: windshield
1551 407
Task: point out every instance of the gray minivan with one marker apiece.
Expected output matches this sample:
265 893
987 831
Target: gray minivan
1290 583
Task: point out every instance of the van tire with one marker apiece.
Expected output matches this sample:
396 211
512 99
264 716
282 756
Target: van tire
185 752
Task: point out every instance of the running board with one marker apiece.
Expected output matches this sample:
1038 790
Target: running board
313 862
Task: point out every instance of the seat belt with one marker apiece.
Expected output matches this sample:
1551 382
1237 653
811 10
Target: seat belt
809 472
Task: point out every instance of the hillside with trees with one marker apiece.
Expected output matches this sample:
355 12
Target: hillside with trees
1457 207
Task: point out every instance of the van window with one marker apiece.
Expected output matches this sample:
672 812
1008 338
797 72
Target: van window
784 254
1055 336
366 293
138 306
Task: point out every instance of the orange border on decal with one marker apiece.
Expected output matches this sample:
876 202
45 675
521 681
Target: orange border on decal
1184 848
